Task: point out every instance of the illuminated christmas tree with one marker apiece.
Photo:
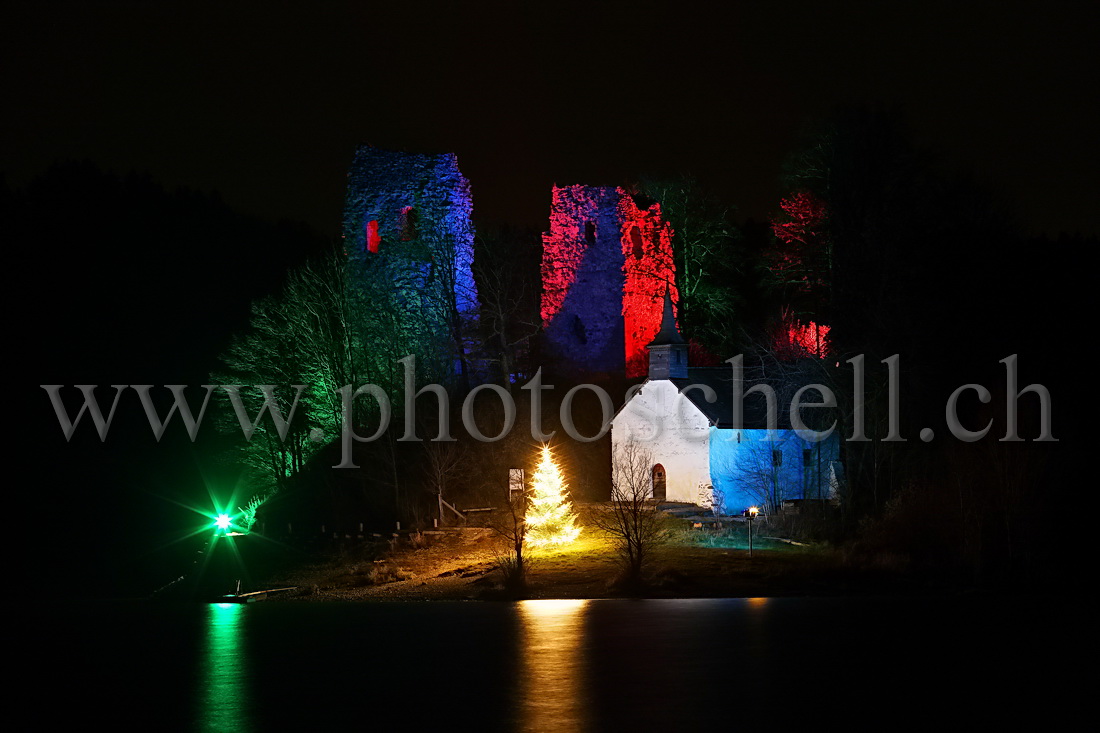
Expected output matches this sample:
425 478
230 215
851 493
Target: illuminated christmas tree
550 518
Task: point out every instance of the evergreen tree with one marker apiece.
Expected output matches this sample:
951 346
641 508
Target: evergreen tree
550 519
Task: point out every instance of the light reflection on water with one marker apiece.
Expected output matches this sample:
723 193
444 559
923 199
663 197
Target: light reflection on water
553 680
225 677
598 665
755 622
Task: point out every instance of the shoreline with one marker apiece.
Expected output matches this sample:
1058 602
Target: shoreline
464 569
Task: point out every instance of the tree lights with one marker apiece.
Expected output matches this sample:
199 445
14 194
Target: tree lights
550 519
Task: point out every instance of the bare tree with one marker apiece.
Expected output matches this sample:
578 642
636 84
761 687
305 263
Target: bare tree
632 518
443 465
508 521
509 298
506 332
874 467
759 470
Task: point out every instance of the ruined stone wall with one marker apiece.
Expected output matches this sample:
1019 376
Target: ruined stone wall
606 264
409 237
582 281
649 270
422 208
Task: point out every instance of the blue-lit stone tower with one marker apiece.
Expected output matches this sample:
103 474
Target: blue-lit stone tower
408 232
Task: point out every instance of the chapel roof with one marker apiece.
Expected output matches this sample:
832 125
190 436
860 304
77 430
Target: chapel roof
720 412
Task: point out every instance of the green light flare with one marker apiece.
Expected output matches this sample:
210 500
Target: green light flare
223 521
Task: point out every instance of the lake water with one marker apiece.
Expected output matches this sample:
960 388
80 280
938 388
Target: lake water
562 665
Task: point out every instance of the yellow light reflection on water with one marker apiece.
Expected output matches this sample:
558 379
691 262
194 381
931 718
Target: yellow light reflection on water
552 681
756 627
224 680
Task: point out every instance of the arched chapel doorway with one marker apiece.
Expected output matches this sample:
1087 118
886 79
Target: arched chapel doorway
659 482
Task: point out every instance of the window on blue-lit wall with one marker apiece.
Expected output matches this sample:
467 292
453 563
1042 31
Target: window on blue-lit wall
590 233
372 237
408 224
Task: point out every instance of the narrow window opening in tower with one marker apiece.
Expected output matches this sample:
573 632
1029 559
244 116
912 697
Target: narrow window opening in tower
408 224
636 240
373 238
590 233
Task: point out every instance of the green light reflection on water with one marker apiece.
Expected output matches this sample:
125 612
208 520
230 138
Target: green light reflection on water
224 676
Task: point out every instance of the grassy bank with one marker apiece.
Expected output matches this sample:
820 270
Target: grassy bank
462 564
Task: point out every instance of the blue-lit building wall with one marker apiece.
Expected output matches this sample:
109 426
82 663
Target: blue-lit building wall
759 468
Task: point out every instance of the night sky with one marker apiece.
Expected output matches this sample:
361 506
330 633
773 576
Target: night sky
264 102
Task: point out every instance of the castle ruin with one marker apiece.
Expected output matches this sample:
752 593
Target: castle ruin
606 265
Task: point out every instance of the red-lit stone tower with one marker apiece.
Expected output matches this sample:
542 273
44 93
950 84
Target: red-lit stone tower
606 264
